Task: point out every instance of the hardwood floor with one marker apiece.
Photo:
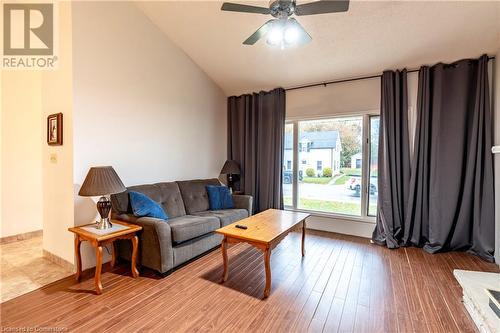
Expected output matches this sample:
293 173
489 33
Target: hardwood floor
344 284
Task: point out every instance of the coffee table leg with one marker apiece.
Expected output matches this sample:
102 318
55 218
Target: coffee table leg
224 258
98 267
135 246
267 264
303 237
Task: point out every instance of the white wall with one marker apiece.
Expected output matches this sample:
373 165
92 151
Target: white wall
342 98
1 155
58 173
140 104
160 115
36 193
21 140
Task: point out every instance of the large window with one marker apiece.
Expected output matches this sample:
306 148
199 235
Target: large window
332 176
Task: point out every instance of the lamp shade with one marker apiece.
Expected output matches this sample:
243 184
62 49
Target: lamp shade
231 167
101 181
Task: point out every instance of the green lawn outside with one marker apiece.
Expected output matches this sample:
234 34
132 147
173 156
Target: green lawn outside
350 171
342 180
316 180
356 172
330 206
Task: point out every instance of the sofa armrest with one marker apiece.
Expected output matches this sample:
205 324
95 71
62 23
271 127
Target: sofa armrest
155 242
160 227
243 201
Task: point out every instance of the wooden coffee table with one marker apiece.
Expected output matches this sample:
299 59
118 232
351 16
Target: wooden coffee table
265 231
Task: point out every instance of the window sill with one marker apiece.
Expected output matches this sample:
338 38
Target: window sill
366 219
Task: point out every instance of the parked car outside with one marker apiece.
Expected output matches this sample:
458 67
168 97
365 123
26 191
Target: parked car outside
355 184
288 176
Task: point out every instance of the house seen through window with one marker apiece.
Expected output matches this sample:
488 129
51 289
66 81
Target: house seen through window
332 171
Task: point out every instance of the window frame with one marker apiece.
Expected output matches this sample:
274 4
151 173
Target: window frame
368 166
365 177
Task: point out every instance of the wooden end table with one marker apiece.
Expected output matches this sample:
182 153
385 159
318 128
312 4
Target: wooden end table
264 231
98 240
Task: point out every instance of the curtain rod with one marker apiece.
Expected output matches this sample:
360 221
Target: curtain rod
349 80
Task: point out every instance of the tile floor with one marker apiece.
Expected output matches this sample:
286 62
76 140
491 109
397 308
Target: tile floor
23 268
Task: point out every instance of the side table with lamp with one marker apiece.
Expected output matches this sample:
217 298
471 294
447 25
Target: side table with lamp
103 181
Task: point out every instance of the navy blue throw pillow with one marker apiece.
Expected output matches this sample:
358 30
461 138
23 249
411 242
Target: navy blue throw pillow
142 205
219 197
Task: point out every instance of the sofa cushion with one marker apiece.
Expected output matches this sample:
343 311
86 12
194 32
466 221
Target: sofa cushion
167 195
226 216
194 194
194 247
142 205
188 227
219 197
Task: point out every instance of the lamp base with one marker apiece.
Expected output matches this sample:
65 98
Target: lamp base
104 207
104 224
230 183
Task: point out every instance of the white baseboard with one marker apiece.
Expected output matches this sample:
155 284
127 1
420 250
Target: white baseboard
341 226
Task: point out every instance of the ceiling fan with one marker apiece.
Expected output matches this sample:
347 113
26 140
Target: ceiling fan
284 30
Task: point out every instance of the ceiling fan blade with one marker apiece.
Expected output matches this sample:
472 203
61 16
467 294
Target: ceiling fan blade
322 7
303 36
261 32
236 7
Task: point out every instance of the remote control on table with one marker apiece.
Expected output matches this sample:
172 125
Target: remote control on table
239 226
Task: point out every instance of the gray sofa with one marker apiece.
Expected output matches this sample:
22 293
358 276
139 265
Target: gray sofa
187 233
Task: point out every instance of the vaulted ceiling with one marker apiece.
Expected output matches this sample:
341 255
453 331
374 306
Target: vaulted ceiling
371 37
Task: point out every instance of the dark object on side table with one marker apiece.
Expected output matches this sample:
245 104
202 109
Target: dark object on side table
231 169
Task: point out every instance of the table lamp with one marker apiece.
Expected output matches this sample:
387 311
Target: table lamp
230 169
102 181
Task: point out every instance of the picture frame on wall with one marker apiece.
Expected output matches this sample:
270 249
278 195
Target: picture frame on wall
55 129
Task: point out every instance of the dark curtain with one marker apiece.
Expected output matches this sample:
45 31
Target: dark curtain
256 125
393 160
451 203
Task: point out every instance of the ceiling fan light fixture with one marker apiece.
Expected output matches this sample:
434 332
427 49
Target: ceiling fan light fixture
275 36
283 34
284 30
291 35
